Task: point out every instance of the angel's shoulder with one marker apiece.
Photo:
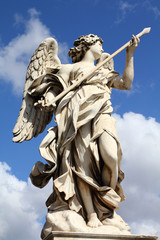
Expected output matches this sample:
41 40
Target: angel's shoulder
65 69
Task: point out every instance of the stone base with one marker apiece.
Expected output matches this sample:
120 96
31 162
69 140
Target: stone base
88 236
70 221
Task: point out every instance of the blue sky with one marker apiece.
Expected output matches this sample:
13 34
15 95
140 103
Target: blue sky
23 25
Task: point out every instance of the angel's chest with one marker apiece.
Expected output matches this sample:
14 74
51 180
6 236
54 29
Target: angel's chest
79 72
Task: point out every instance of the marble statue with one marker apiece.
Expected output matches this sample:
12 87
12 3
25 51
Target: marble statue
82 151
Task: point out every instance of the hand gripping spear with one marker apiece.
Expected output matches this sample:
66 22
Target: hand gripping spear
90 73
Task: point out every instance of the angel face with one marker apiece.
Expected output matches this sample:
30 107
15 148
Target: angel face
83 44
96 49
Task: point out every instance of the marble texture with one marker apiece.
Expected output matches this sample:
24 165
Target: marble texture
82 151
87 236
73 222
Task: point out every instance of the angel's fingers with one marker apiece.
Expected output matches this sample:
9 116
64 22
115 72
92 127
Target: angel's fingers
39 103
138 39
43 103
135 41
130 43
35 104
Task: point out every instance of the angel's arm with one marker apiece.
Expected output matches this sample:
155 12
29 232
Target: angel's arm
51 92
125 82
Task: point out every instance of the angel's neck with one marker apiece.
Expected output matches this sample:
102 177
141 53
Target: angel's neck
88 59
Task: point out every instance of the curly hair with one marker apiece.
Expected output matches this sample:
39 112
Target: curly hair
82 44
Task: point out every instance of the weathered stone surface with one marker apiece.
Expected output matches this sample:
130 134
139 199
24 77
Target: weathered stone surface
70 221
87 236
83 152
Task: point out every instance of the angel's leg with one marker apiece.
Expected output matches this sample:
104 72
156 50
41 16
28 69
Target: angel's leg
86 196
108 150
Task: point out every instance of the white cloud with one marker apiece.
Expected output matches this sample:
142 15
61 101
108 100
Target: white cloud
22 205
154 9
15 57
140 138
148 227
63 52
124 8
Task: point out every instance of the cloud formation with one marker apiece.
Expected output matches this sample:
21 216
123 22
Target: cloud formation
125 8
154 9
15 57
23 205
140 139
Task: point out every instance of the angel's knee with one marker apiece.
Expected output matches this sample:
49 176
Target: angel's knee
108 150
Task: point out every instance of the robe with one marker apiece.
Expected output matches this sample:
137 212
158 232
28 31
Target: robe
71 147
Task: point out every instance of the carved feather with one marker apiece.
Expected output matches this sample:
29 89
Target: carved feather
33 120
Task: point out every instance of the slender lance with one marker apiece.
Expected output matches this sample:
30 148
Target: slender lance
90 73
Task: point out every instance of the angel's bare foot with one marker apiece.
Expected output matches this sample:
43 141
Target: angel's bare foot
116 221
93 221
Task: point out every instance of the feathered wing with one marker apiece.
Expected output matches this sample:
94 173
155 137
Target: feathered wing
33 120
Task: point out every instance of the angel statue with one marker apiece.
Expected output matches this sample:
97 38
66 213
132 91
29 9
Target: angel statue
82 151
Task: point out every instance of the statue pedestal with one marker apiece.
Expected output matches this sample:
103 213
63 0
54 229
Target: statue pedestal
88 236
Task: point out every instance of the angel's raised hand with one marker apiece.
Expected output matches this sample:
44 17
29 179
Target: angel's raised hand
133 44
135 41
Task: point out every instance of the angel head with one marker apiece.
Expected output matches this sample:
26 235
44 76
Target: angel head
83 44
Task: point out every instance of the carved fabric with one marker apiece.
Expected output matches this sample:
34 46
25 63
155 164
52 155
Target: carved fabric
71 148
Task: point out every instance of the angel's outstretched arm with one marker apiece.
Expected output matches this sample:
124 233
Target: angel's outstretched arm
125 82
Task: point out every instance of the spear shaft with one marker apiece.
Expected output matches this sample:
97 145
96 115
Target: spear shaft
90 73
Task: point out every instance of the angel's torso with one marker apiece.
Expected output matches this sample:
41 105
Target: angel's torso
73 72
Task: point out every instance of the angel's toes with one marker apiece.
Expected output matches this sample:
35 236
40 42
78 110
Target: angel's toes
94 222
